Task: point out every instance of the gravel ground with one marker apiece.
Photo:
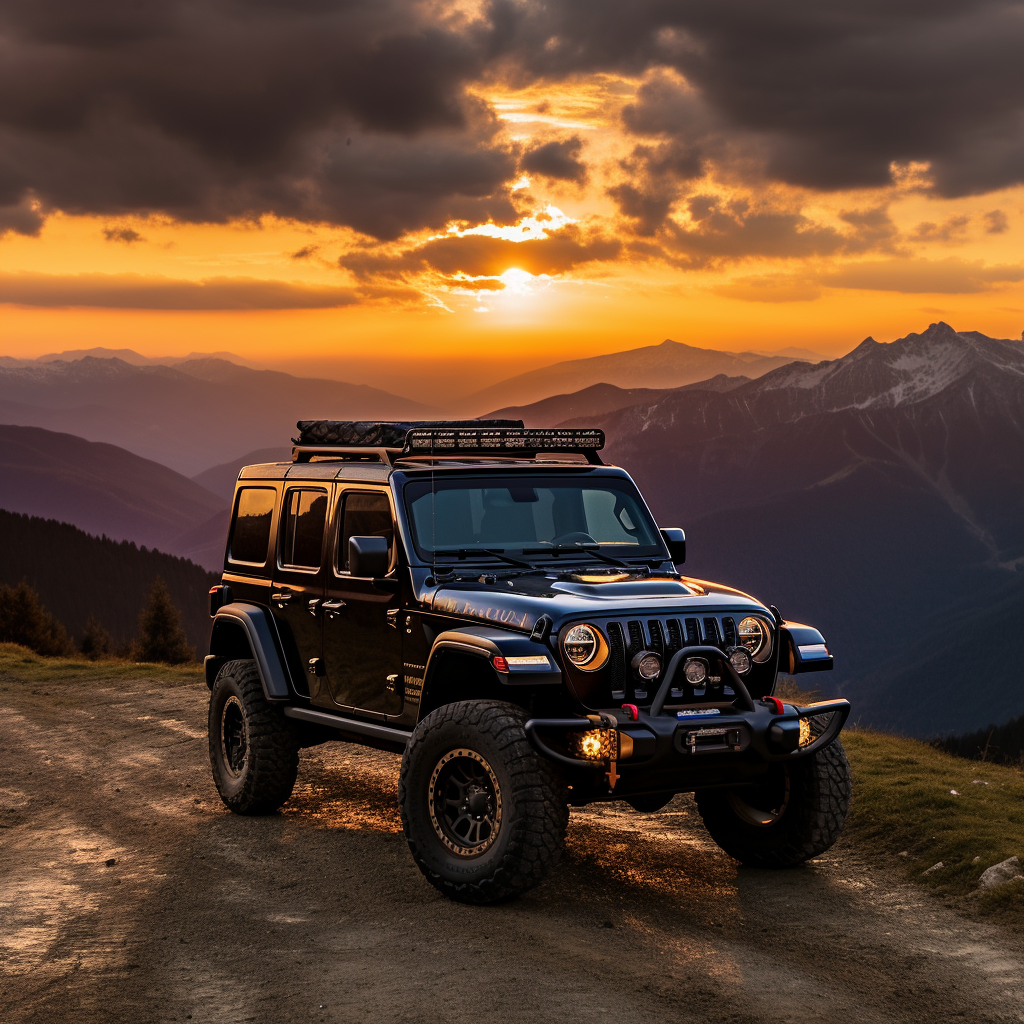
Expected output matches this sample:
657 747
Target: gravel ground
128 893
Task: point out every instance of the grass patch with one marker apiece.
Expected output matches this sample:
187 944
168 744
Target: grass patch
904 804
20 665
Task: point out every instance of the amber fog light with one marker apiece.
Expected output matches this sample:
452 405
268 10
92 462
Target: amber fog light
594 744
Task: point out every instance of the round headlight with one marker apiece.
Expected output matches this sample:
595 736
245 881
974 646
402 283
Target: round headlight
695 671
739 658
585 647
756 638
647 666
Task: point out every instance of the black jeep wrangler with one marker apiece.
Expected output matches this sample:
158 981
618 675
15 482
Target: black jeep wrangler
499 606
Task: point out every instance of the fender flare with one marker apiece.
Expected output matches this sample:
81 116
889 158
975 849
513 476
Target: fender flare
264 644
487 643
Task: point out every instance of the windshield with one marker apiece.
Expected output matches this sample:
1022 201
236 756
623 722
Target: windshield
556 516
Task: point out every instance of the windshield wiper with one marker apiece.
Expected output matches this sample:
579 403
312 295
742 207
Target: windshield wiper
469 552
590 549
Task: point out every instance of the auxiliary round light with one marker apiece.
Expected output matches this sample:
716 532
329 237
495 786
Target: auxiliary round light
739 658
585 647
647 666
695 670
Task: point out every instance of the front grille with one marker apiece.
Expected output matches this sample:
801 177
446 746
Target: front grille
663 636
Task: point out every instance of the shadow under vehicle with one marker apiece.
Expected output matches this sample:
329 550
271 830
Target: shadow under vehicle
498 605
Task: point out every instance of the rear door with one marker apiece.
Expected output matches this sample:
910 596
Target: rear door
362 644
299 579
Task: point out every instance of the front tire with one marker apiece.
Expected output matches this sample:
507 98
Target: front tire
484 814
796 813
254 749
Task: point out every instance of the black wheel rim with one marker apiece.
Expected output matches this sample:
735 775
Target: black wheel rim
234 736
764 804
465 803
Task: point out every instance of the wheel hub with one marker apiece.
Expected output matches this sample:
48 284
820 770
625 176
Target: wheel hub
234 736
465 803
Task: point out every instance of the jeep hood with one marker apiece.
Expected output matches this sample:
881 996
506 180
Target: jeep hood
519 601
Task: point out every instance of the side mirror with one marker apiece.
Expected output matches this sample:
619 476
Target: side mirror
675 541
368 557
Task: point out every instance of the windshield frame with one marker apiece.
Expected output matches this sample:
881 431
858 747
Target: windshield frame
610 478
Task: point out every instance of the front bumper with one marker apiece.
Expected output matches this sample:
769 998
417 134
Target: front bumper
690 747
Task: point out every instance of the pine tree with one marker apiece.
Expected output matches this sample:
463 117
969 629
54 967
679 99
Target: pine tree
25 620
160 636
96 642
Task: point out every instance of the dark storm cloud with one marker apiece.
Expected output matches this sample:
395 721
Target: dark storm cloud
825 93
360 112
352 113
558 159
138 291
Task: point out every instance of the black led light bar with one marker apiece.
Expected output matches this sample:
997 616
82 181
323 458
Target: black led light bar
508 441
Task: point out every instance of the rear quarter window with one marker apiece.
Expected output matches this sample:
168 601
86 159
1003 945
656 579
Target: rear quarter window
250 527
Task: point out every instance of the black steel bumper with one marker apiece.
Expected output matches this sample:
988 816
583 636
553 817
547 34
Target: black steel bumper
690 746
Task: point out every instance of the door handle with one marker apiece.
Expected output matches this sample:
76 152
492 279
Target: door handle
312 604
332 608
281 598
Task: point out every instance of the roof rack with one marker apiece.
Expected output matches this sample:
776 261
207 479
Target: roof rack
384 442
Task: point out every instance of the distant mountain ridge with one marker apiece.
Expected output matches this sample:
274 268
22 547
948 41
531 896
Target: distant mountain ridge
668 365
105 490
880 496
127 355
189 416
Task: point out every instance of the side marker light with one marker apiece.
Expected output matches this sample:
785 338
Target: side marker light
500 664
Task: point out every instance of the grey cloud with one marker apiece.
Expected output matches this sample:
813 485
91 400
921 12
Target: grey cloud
996 222
213 109
127 235
822 94
138 291
558 159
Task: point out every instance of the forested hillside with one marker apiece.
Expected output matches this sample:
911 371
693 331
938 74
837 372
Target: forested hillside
77 575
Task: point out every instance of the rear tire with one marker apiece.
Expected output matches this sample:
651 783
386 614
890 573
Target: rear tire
484 814
795 814
254 749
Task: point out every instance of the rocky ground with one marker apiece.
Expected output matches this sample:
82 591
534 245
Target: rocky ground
128 893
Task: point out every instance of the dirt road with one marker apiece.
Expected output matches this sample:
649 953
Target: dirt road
128 893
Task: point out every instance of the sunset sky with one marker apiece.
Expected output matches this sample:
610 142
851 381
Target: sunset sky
439 195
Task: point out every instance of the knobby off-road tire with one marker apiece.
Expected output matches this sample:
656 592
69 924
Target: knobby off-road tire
484 815
254 749
797 814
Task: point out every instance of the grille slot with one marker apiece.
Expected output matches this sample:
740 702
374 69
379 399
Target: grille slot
729 629
692 633
657 636
636 644
711 632
617 660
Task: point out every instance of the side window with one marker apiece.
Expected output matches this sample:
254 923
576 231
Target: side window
364 515
250 531
302 531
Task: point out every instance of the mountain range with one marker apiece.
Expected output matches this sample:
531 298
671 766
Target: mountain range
107 491
879 496
668 365
188 417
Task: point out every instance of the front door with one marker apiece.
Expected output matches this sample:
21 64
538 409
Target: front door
362 644
299 575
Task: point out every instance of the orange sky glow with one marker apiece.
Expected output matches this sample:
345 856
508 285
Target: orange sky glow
460 304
